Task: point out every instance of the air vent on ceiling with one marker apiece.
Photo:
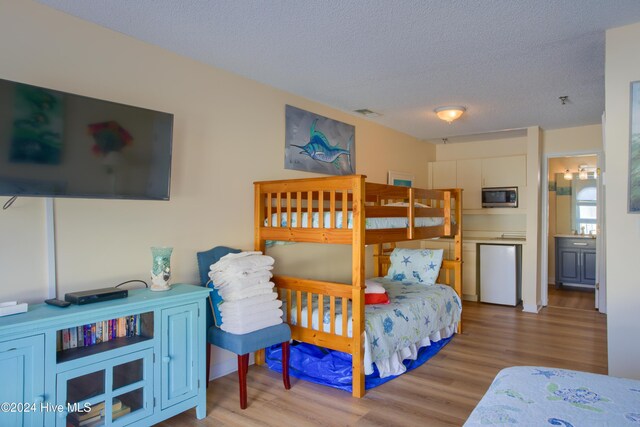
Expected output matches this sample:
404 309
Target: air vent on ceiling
367 113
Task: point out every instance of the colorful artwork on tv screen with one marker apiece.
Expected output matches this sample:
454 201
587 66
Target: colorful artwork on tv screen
314 143
37 126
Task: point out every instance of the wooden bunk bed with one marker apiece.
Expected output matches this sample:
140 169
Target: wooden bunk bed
281 208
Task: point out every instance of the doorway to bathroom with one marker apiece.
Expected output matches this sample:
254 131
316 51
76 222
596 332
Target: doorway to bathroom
574 238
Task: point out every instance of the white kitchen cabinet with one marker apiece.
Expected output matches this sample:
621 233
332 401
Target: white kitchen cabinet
504 171
469 178
469 272
443 174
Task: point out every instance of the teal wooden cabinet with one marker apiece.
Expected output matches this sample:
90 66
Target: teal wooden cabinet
144 360
179 372
22 373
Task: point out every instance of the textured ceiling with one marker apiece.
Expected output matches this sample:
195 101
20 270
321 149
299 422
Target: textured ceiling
507 61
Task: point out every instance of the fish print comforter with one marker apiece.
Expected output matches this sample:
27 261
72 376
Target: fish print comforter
415 313
537 396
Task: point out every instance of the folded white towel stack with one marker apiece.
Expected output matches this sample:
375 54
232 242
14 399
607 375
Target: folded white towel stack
243 281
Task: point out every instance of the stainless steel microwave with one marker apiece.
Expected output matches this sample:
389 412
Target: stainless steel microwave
500 197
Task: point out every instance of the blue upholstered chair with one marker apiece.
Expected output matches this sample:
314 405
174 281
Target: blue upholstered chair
242 345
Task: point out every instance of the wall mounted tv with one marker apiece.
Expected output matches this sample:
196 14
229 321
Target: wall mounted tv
58 144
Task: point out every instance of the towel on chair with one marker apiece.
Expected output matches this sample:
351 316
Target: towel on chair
223 279
242 262
235 294
240 327
250 318
248 302
230 310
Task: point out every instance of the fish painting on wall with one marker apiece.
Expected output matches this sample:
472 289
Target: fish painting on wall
314 143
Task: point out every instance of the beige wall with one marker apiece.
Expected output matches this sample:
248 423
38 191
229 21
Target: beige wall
482 149
582 139
623 229
228 132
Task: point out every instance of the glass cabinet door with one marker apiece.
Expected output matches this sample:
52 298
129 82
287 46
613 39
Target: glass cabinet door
112 392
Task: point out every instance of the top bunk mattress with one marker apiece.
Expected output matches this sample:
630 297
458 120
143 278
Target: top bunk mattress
370 223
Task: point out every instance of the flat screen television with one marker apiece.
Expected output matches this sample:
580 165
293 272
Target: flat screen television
58 144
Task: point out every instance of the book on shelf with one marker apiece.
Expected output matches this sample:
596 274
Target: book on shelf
94 413
80 334
117 413
73 337
96 410
99 332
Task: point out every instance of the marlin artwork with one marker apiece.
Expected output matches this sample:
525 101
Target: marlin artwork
318 144
319 148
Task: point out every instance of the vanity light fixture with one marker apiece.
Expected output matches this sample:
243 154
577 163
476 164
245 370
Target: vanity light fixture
568 175
584 170
450 113
583 174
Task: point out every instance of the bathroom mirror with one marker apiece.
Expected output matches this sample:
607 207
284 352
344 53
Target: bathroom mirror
575 207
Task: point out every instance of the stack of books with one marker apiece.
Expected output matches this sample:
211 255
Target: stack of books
96 333
96 415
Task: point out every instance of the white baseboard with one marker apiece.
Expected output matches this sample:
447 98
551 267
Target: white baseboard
468 297
551 281
531 308
227 367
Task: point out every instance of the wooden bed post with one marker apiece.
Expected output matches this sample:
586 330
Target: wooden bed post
258 244
377 251
357 281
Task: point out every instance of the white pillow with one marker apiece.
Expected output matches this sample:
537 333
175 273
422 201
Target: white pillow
415 265
373 287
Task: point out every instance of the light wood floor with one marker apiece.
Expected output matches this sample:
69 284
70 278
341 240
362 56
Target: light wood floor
576 298
443 391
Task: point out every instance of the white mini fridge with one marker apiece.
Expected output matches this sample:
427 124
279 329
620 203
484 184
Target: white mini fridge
501 274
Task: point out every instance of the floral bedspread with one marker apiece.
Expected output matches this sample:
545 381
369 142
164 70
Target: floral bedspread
415 312
536 396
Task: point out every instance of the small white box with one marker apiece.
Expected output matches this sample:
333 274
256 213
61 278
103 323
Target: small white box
12 307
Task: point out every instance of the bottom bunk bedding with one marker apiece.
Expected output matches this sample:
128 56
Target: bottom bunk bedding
416 315
540 396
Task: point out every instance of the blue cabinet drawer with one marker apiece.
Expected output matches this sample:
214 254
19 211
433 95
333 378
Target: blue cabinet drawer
576 242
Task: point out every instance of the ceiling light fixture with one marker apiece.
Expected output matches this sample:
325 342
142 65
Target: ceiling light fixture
568 175
449 114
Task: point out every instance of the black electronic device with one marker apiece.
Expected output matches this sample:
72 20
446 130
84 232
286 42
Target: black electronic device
95 295
58 144
57 302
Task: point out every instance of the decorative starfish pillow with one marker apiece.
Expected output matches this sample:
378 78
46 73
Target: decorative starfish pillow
415 265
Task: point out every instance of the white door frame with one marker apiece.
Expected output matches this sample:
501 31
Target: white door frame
544 251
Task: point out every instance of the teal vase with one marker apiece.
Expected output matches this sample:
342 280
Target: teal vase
161 268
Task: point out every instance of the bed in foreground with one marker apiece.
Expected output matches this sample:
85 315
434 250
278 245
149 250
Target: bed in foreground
539 396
